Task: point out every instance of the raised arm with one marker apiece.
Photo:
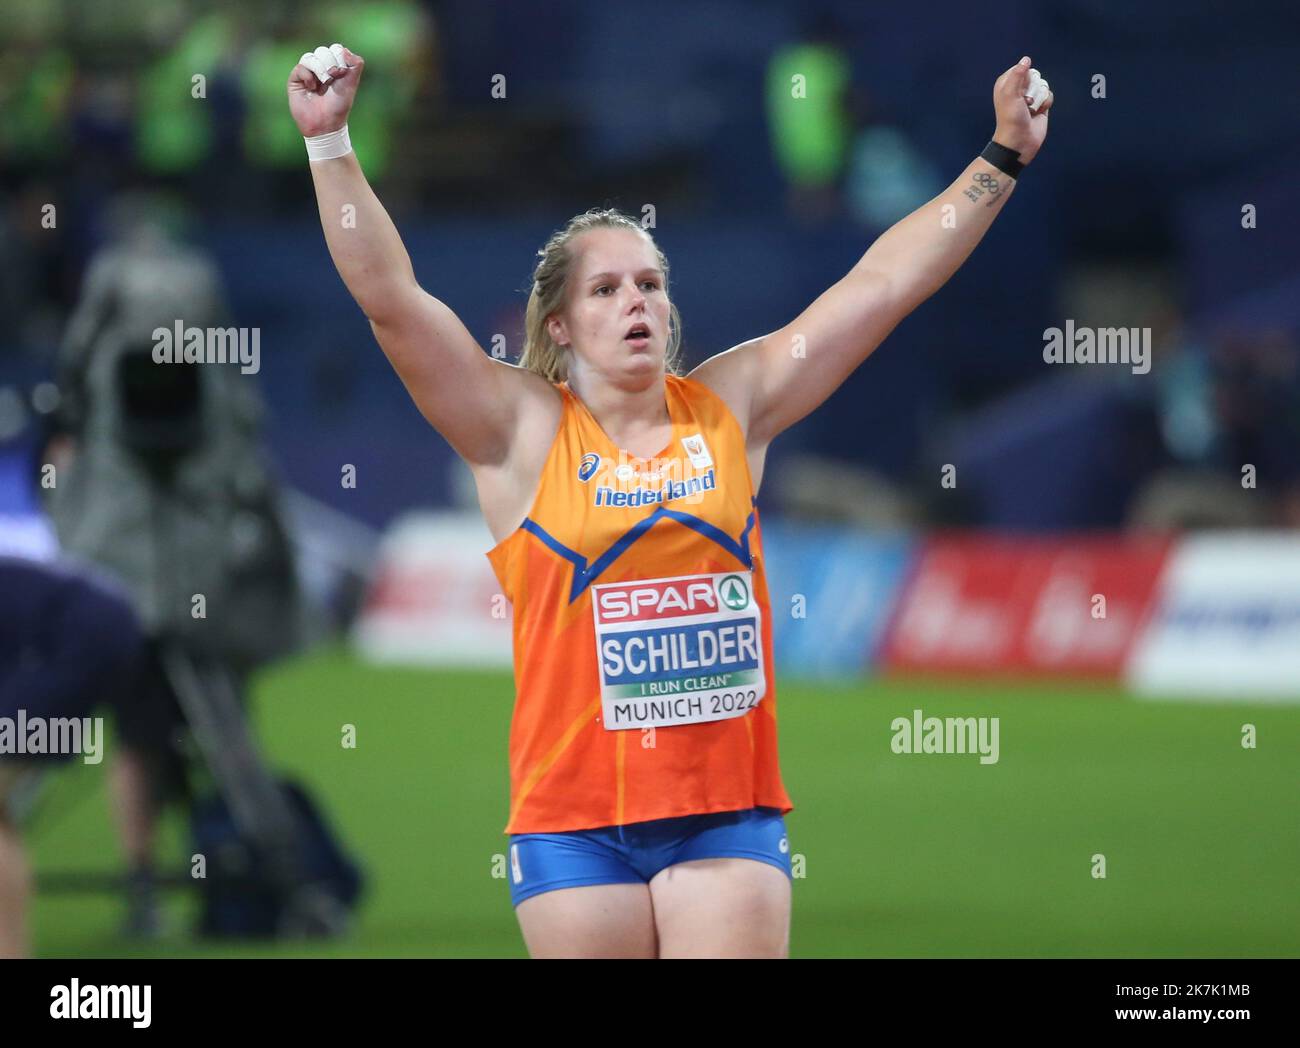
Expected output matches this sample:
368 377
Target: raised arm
772 382
471 399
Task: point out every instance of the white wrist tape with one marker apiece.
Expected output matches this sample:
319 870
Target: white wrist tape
329 145
1036 90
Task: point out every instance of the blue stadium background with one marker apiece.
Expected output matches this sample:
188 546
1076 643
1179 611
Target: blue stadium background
613 104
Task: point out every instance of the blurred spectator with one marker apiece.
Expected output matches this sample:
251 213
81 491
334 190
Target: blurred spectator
1230 419
1257 396
807 85
393 36
68 644
38 269
888 177
399 43
174 129
35 99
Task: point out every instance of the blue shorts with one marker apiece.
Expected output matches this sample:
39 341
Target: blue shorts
633 854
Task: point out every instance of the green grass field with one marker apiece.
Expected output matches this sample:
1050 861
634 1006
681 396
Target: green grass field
904 855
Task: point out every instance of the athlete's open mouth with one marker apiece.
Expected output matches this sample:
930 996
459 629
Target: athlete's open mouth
638 331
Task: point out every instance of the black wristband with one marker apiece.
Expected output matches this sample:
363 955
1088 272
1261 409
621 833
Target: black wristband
1005 160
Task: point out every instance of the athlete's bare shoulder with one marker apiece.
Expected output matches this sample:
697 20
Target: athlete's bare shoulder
507 489
730 376
538 404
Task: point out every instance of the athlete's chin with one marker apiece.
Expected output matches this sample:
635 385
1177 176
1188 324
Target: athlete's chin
643 362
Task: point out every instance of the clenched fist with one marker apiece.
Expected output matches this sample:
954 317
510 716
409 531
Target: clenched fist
322 87
1021 101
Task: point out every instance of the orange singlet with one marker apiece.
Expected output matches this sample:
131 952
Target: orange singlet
642 631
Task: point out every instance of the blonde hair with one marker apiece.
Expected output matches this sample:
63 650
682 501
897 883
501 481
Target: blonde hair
550 281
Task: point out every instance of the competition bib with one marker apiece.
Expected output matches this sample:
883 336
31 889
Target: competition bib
679 650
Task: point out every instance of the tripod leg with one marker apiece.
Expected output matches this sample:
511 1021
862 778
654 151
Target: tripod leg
209 697
210 702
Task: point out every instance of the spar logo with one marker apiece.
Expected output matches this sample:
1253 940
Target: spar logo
734 592
588 466
690 596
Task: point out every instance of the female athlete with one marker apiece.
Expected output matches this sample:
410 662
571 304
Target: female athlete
646 804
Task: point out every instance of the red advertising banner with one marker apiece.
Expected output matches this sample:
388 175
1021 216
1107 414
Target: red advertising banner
1025 604
433 599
